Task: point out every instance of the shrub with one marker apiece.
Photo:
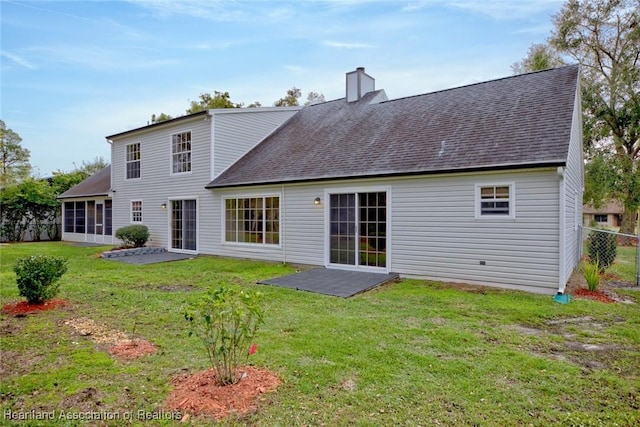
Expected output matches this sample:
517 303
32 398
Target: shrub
37 275
226 321
591 272
602 248
133 235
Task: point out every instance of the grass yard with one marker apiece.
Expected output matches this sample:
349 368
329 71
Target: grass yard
409 353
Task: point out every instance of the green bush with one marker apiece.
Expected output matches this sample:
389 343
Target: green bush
133 235
226 321
37 276
602 248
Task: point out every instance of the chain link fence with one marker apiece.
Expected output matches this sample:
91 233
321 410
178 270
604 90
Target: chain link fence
617 255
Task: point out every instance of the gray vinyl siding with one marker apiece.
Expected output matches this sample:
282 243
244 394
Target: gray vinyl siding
574 184
234 132
237 131
436 235
433 231
301 225
157 184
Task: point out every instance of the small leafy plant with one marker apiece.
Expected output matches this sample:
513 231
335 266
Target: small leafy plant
226 321
591 272
37 275
133 235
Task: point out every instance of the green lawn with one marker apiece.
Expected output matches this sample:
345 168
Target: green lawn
408 353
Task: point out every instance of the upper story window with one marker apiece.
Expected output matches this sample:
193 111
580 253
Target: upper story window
133 160
495 201
136 211
181 152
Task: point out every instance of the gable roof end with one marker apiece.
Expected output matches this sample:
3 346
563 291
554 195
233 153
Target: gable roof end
514 122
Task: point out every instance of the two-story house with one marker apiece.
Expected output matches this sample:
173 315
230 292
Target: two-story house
478 184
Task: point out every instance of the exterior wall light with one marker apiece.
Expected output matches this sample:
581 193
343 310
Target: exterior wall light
163 206
316 201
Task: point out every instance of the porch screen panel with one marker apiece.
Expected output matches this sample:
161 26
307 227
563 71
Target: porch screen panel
91 217
69 217
80 219
108 225
99 218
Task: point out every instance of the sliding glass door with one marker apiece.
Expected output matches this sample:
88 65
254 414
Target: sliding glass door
183 225
358 229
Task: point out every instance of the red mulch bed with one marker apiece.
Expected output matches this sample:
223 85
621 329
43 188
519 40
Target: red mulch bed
594 295
130 350
199 395
23 308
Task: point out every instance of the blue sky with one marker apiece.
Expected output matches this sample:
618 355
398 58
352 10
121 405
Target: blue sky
75 72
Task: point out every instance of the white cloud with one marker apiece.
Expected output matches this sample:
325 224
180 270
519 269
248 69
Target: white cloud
101 58
345 45
17 60
506 9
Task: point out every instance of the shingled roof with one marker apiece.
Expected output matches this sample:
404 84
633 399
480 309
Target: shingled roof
97 184
514 122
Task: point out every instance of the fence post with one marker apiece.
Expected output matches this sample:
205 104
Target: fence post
638 258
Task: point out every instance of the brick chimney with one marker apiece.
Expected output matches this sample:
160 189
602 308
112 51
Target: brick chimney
359 84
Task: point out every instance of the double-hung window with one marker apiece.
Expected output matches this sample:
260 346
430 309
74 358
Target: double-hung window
133 160
495 201
136 211
253 220
181 152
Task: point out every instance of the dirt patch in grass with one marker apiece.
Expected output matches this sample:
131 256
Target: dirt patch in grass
22 308
132 349
85 400
118 343
581 343
198 394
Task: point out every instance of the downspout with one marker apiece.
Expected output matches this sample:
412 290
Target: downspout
283 216
562 223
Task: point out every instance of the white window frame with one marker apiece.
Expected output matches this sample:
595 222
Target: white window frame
264 219
127 161
173 154
511 200
133 213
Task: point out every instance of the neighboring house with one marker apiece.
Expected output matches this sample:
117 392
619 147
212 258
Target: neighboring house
480 184
608 215
87 210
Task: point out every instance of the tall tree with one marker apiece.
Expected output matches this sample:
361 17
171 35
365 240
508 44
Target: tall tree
604 37
96 165
14 159
290 99
218 100
314 98
540 57
162 117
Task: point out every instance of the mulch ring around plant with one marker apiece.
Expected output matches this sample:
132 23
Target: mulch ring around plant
118 343
594 295
198 394
22 308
